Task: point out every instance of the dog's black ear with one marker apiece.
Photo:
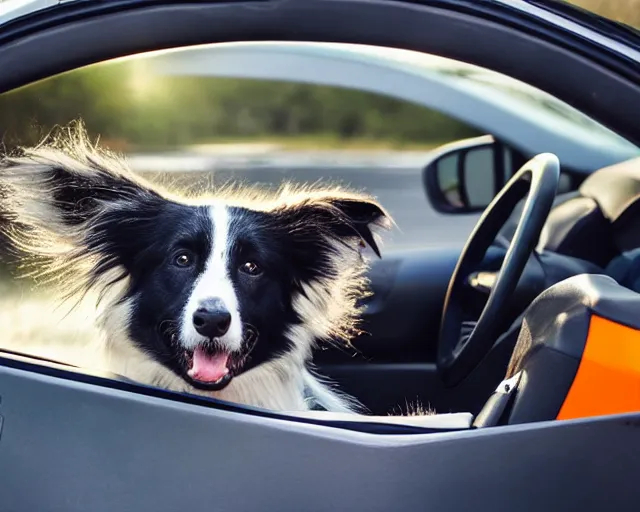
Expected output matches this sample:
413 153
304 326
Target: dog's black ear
322 232
74 208
359 214
342 216
70 182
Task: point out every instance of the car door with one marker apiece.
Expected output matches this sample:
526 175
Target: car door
38 46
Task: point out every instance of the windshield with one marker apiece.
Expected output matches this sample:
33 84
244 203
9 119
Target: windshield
623 11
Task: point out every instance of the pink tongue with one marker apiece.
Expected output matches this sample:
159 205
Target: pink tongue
208 368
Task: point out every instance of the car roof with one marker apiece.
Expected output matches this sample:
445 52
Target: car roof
14 9
566 15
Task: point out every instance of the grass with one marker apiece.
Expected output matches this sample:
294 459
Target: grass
625 11
34 322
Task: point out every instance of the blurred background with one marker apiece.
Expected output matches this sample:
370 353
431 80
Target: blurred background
210 130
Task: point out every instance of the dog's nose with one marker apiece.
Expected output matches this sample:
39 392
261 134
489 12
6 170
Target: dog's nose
212 319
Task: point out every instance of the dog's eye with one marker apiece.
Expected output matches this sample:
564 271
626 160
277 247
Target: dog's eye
251 268
183 259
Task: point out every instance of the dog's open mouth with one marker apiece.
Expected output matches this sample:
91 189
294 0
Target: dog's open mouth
211 368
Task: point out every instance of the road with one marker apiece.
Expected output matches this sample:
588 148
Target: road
395 179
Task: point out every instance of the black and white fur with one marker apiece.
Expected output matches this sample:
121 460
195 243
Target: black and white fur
286 268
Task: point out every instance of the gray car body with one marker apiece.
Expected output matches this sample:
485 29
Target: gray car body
123 451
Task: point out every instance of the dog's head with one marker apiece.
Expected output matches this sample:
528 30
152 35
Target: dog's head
210 288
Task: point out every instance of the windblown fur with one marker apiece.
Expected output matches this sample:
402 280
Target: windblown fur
89 226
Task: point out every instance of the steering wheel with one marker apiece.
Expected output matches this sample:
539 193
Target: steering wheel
537 180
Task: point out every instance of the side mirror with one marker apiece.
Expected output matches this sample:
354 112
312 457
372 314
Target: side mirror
465 176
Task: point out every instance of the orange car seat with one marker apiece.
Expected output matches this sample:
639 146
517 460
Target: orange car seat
577 356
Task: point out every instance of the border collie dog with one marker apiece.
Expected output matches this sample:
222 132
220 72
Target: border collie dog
223 296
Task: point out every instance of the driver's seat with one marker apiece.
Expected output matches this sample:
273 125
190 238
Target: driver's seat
578 355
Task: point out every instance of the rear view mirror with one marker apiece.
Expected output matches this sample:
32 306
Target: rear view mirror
465 176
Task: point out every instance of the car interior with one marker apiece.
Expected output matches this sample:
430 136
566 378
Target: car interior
565 250
474 334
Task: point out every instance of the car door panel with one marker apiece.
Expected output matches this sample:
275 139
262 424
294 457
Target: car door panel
394 361
72 446
402 317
